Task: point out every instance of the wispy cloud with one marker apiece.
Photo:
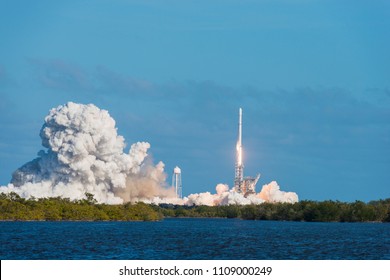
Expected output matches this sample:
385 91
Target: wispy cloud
110 81
60 75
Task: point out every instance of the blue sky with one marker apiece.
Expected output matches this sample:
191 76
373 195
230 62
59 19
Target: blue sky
313 79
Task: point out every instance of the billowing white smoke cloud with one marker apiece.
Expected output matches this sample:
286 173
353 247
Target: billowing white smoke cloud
272 193
85 154
269 193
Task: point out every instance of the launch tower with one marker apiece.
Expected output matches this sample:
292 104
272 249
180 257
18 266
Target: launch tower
244 185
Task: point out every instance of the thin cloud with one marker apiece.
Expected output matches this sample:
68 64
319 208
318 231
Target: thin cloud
110 81
60 75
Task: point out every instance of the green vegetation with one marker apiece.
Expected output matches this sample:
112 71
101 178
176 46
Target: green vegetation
310 211
13 207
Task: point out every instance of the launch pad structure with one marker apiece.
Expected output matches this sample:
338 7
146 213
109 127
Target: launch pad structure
243 185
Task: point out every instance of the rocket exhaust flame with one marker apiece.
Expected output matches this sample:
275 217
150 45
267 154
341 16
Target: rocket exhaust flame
239 156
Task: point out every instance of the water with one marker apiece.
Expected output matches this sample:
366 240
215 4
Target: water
194 239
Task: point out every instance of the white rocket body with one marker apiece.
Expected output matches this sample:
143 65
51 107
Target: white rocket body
239 174
239 141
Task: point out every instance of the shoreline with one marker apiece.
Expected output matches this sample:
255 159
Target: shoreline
199 218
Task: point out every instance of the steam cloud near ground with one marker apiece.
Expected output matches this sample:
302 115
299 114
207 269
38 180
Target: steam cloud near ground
84 153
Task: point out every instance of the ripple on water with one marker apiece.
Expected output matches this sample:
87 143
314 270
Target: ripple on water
194 239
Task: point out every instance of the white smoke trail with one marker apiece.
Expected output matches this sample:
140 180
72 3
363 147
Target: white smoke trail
85 154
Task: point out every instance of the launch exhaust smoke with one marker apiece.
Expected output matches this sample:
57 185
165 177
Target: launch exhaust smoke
83 153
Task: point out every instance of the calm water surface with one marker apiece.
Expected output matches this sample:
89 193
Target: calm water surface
194 239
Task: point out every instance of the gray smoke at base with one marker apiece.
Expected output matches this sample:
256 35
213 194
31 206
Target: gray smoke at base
84 154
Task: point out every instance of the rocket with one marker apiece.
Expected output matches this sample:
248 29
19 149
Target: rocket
247 185
239 170
239 141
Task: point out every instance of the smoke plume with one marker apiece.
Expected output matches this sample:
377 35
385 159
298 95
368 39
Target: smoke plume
84 154
224 196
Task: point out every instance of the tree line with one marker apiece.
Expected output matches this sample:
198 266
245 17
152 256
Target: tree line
306 210
13 207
